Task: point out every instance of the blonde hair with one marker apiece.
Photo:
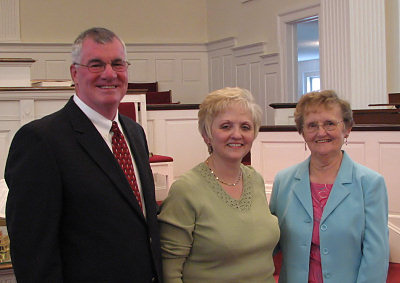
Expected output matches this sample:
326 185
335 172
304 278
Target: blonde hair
327 98
219 100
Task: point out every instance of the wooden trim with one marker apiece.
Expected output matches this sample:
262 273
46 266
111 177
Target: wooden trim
17 60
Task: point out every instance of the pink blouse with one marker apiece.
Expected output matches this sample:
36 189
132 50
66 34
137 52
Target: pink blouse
319 194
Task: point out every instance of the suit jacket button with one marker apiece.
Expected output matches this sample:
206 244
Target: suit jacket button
150 240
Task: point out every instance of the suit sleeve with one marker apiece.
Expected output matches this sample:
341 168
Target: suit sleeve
33 208
375 246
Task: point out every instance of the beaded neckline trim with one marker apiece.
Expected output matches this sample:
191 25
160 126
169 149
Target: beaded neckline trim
223 182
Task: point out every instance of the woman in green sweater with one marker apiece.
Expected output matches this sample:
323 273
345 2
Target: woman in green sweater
215 223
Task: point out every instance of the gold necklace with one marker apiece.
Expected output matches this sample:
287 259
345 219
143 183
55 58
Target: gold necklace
223 182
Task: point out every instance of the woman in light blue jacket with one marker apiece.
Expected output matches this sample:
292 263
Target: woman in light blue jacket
333 212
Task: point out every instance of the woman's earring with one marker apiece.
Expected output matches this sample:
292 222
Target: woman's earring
345 141
210 149
305 146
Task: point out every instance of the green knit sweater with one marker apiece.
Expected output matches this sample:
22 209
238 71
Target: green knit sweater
207 236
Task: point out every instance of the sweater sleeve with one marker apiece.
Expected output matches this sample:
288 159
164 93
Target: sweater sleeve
177 222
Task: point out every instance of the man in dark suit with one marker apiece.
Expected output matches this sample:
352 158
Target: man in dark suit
72 215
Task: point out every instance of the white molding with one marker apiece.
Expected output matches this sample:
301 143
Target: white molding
286 36
35 48
255 48
181 68
130 47
272 58
168 47
228 42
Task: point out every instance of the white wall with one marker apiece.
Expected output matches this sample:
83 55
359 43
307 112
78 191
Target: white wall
183 22
250 22
135 21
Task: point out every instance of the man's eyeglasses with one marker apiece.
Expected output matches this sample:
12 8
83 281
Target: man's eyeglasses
98 67
327 126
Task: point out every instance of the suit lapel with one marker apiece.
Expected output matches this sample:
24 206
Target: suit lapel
339 190
92 142
138 146
302 187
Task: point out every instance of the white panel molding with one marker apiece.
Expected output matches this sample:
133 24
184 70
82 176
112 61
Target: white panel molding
255 48
220 57
270 86
225 43
165 47
166 63
34 48
191 70
168 130
248 67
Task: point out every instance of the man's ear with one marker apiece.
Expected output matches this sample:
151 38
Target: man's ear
73 71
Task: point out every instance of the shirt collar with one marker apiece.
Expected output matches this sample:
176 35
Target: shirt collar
102 124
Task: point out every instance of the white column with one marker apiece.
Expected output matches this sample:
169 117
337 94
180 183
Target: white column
353 50
9 21
393 45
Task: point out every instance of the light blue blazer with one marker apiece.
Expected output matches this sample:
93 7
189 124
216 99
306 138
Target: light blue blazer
354 236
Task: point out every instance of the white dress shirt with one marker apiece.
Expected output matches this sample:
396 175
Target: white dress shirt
103 126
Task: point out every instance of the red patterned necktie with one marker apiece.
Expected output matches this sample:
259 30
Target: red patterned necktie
123 156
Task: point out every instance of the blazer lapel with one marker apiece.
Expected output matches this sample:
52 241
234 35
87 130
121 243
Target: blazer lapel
302 187
339 190
91 140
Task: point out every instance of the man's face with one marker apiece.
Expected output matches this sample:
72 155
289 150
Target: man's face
104 90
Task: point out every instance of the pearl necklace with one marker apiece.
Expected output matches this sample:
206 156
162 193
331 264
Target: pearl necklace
223 182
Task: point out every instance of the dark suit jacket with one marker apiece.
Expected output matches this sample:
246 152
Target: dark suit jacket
71 214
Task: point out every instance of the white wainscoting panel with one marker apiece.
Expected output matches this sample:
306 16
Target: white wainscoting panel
174 133
182 68
247 67
220 56
20 107
270 87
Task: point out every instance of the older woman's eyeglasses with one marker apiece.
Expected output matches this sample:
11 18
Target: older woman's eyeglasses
328 126
99 66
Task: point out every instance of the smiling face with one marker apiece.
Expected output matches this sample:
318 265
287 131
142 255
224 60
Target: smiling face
101 91
232 134
323 142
